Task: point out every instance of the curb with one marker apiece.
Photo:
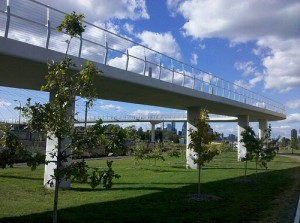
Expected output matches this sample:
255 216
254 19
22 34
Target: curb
297 217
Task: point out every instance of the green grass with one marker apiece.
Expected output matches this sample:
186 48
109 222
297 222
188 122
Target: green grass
149 193
290 151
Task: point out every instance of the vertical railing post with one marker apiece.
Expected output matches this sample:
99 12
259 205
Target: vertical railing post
228 90
194 83
106 53
183 71
172 67
223 90
127 60
145 65
159 76
173 74
7 19
217 88
48 28
80 46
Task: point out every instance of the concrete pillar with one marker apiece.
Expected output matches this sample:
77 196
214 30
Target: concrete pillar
153 131
193 114
50 150
243 121
262 127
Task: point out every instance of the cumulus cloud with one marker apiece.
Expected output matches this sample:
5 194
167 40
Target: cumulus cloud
145 112
246 67
282 66
194 59
292 118
111 107
128 28
4 104
202 46
161 42
293 104
95 10
243 21
249 83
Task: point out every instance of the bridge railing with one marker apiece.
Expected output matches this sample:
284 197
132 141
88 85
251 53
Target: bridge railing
179 116
33 22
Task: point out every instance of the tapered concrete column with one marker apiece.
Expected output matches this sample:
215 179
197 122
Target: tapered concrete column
263 126
153 131
51 148
243 121
193 114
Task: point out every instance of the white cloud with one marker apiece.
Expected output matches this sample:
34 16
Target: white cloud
249 83
282 67
225 129
145 112
202 46
293 104
273 25
246 67
128 28
161 42
292 118
111 107
4 104
194 59
96 10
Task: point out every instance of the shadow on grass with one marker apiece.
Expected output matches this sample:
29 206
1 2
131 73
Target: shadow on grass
22 178
240 203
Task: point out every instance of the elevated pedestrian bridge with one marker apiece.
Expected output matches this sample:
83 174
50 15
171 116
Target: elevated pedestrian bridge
153 118
131 72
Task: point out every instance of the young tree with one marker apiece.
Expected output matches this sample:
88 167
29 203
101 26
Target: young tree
201 139
261 150
251 144
139 151
57 118
156 153
116 142
225 147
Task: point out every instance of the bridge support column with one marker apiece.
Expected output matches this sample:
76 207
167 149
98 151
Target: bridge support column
243 121
192 115
153 131
51 148
262 127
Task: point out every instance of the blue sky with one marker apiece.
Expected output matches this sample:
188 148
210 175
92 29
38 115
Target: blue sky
254 44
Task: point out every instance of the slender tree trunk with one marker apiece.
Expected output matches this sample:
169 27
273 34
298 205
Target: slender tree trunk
256 167
55 201
57 180
246 168
199 171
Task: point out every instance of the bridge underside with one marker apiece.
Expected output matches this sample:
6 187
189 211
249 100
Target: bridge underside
24 66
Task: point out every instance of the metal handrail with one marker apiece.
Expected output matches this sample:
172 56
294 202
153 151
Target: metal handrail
185 75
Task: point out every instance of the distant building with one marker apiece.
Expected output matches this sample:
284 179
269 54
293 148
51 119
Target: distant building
231 137
294 134
171 127
183 129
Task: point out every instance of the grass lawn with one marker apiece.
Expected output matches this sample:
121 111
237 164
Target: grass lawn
149 193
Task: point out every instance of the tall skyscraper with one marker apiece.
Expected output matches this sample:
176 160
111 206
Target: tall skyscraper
184 129
294 134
